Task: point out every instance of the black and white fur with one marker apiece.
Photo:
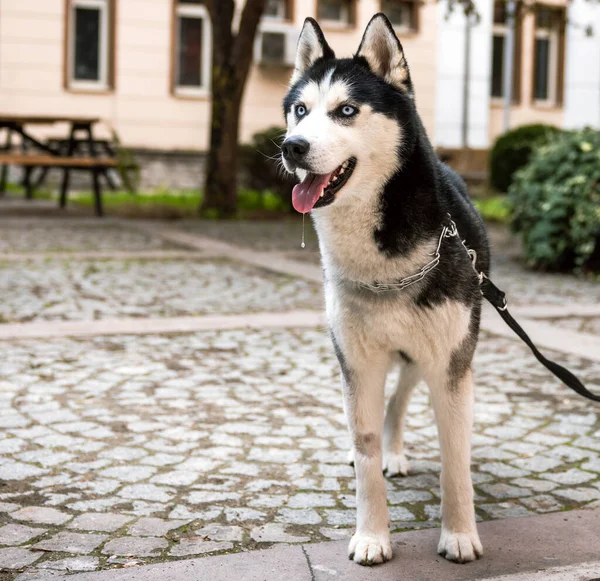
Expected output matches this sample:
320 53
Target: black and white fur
383 225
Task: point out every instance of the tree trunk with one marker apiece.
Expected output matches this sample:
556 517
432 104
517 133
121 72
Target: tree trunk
220 193
232 57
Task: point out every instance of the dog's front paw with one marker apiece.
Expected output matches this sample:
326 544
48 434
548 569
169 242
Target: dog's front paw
395 464
368 549
460 547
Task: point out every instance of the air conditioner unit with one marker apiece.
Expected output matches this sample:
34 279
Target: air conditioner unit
275 45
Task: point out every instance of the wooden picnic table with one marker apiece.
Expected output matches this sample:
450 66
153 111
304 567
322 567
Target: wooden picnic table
71 153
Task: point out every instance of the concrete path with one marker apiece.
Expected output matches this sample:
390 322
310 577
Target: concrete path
555 547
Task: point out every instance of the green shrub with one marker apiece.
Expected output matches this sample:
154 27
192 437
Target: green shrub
260 164
513 150
556 203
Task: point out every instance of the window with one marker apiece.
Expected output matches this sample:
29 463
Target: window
278 10
499 32
336 13
402 14
89 44
547 51
192 47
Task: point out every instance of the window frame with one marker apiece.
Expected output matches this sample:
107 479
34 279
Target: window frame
106 49
500 29
347 24
200 12
553 35
288 12
413 6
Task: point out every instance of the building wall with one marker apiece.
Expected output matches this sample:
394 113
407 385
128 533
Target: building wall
141 107
582 74
451 77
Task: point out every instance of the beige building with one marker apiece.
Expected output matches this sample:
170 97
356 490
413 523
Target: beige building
144 65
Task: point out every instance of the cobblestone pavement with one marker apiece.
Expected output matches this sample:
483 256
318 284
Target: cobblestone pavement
279 236
57 290
581 324
143 448
25 236
124 450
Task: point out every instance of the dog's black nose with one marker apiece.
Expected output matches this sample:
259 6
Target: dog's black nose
295 148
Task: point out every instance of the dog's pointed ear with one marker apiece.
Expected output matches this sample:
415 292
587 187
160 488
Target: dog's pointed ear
381 48
312 46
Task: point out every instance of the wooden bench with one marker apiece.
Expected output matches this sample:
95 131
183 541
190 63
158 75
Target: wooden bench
93 164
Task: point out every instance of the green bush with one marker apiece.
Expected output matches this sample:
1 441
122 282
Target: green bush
513 150
556 203
260 165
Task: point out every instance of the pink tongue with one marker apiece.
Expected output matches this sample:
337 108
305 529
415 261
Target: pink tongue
306 194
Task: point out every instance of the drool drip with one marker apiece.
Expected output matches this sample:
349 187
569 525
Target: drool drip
302 245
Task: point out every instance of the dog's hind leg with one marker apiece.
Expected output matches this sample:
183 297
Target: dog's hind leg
394 459
452 399
364 382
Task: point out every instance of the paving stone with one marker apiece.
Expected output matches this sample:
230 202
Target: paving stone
187 547
592 465
154 527
340 517
274 455
335 534
502 470
128 473
570 477
77 543
501 490
542 503
504 510
243 514
205 496
9 507
536 485
135 547
310 500
13 534
537 463
176 478
268 500
147 492
580 494
275 533
94 521
41 515
399 513
216 532
16 558
298 517
19 471
72 564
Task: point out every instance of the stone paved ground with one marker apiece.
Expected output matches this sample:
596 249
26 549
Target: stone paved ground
59 289
34 235
122 450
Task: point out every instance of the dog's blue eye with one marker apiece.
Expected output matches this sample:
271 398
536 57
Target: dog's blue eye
300 110
348 110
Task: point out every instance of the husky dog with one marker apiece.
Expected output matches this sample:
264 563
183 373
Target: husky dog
380 198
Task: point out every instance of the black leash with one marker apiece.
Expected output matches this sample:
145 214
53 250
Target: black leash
493 294
497 298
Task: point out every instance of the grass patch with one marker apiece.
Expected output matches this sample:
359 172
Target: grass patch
494 208
165 203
